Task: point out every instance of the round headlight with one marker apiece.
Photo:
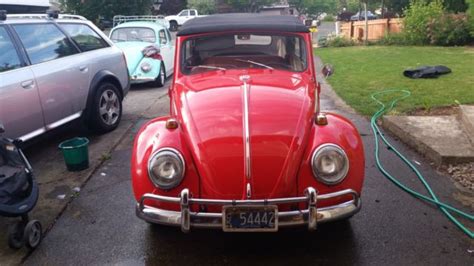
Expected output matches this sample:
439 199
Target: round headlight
330 164
166 168
146 67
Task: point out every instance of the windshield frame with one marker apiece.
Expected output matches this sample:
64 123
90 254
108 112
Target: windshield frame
307 54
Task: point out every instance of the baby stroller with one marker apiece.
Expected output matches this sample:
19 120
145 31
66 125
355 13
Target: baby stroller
18 194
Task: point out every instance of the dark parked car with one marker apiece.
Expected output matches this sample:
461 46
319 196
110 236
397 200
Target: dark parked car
361 16
345 16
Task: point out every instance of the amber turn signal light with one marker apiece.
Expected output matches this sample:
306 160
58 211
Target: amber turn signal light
171 123
321 119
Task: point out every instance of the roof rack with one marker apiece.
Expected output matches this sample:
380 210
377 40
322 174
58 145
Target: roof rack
119 19
43 16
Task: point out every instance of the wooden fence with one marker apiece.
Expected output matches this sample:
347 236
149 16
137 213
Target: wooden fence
376 29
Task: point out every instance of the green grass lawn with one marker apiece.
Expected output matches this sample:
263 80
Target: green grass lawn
360 71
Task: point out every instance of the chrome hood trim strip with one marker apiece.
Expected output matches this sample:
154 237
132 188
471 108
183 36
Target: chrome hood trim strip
246 128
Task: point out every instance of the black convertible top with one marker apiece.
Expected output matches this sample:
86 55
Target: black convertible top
242 21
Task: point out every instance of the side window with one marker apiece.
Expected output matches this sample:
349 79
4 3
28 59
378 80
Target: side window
44 42
192 13
84 36
8 57
184 13
163 39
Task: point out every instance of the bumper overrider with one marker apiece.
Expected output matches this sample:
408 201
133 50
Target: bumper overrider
310 216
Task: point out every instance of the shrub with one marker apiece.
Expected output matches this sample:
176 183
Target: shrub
329 18
417 16
448 30
470 15
339 41
393 39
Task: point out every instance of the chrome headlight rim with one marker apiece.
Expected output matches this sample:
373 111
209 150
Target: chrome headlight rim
154 180
341 176
146 67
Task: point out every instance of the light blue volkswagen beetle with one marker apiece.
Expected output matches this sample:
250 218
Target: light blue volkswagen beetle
148 48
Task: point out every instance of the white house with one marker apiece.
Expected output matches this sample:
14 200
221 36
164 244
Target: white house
24 6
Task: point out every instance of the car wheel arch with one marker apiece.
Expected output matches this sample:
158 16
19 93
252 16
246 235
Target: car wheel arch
100 77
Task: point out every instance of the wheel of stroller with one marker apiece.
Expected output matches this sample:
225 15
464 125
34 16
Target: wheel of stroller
15 235
33 234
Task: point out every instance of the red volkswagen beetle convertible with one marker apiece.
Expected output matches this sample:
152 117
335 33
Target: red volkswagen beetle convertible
245 147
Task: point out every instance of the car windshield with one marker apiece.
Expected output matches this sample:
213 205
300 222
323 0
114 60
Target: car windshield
238 51
133 34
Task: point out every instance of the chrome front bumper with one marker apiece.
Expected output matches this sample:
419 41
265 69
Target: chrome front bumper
310 216
141 79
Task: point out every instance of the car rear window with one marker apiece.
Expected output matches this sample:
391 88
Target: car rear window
84 36
8 57
44 42
133 34
243 51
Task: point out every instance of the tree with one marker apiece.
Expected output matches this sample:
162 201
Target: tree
248 5
171 7
318 7
314 7
93 9
203 6
455 5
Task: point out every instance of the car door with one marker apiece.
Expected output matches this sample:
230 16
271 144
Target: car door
96 53
166 51
183 17
20 108
61 73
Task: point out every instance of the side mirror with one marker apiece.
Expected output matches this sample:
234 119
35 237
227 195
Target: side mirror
2 128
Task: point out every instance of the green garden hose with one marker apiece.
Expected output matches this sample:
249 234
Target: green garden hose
445 208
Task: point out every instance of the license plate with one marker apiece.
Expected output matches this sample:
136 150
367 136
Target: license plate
250 218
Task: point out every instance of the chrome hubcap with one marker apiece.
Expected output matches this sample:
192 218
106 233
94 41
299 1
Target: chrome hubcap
162 75
109 107
35 235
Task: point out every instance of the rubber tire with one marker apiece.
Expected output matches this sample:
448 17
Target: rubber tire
158 83
173 26
94 121
29 237
15 235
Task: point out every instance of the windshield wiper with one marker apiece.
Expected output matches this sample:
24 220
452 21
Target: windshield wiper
255 63
209 67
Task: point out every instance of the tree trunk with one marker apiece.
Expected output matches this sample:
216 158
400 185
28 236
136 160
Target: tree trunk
383 9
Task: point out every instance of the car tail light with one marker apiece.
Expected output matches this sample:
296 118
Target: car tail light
152 51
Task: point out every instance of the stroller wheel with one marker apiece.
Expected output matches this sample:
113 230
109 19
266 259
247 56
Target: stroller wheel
15 235
33 234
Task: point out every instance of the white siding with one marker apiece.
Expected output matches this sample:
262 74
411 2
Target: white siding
25 2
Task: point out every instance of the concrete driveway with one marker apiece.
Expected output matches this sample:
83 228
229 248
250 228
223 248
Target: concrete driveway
99 227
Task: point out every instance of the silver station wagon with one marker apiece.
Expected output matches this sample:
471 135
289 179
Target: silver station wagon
55 69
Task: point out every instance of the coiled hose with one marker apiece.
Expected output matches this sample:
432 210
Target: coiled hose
445 208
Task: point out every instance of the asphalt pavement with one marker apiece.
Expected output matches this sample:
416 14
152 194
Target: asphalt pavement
99 227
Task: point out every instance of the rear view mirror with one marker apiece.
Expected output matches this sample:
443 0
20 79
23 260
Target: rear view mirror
2 128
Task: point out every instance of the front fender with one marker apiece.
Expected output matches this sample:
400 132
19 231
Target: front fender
342 132
154 136
153 73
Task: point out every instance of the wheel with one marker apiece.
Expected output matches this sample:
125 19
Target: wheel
105 109
33 234
15 235
160 80
173 26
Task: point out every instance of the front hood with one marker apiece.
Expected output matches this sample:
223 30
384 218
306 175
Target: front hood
279 120
133 53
